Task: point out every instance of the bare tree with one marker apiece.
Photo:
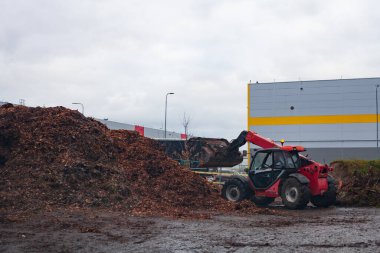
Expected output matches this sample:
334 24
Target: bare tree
185 124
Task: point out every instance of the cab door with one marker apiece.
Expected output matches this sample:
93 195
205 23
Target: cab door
266 168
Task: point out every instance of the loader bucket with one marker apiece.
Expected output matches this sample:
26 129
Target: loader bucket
203 152
211 152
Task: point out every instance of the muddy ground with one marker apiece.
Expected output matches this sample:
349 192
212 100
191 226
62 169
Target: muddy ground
311 230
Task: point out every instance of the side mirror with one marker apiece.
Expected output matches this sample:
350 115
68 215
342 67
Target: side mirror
278 165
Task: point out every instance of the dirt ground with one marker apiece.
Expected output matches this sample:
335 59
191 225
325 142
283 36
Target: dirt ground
310 230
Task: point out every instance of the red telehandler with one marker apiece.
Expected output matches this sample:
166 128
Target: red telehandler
280 171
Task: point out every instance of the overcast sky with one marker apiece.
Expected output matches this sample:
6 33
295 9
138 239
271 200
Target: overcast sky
120 57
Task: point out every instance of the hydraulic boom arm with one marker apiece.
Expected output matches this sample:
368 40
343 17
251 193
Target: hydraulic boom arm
253 138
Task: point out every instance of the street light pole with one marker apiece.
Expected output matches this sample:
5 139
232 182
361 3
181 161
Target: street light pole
166 108
80 105
377 119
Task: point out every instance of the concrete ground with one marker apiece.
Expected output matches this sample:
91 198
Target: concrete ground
310 230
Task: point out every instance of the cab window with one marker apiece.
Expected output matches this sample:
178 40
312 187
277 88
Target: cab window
279 159
262 160
268 161
289 161
296 158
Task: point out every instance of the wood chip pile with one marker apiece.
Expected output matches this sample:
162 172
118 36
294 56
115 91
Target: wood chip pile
358 182
56 157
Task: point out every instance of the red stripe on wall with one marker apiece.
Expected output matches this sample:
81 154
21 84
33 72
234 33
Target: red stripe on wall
140 130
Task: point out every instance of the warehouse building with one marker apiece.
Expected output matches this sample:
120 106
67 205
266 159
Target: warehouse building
332 119
144 131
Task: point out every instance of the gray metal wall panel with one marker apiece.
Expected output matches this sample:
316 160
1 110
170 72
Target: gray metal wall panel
322 135
153 133
160 134
148 132
328 155
333 144
328 97
116 125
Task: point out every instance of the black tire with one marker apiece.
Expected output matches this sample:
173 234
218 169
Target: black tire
294 194
327 199
234 190
262 201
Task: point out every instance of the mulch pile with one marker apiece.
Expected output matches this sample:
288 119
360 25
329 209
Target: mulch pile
56 157
358 182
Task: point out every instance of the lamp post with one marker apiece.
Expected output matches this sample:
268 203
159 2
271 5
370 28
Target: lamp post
377 119
76 103
166 107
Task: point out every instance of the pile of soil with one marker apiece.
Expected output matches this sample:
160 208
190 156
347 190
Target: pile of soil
56 157
358 182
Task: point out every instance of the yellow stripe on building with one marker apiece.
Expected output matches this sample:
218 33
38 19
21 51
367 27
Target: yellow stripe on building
316 119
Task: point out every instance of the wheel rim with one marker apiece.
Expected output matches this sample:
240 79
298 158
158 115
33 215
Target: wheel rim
291 194
233 193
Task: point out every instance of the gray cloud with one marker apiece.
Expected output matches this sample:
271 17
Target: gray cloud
119 58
